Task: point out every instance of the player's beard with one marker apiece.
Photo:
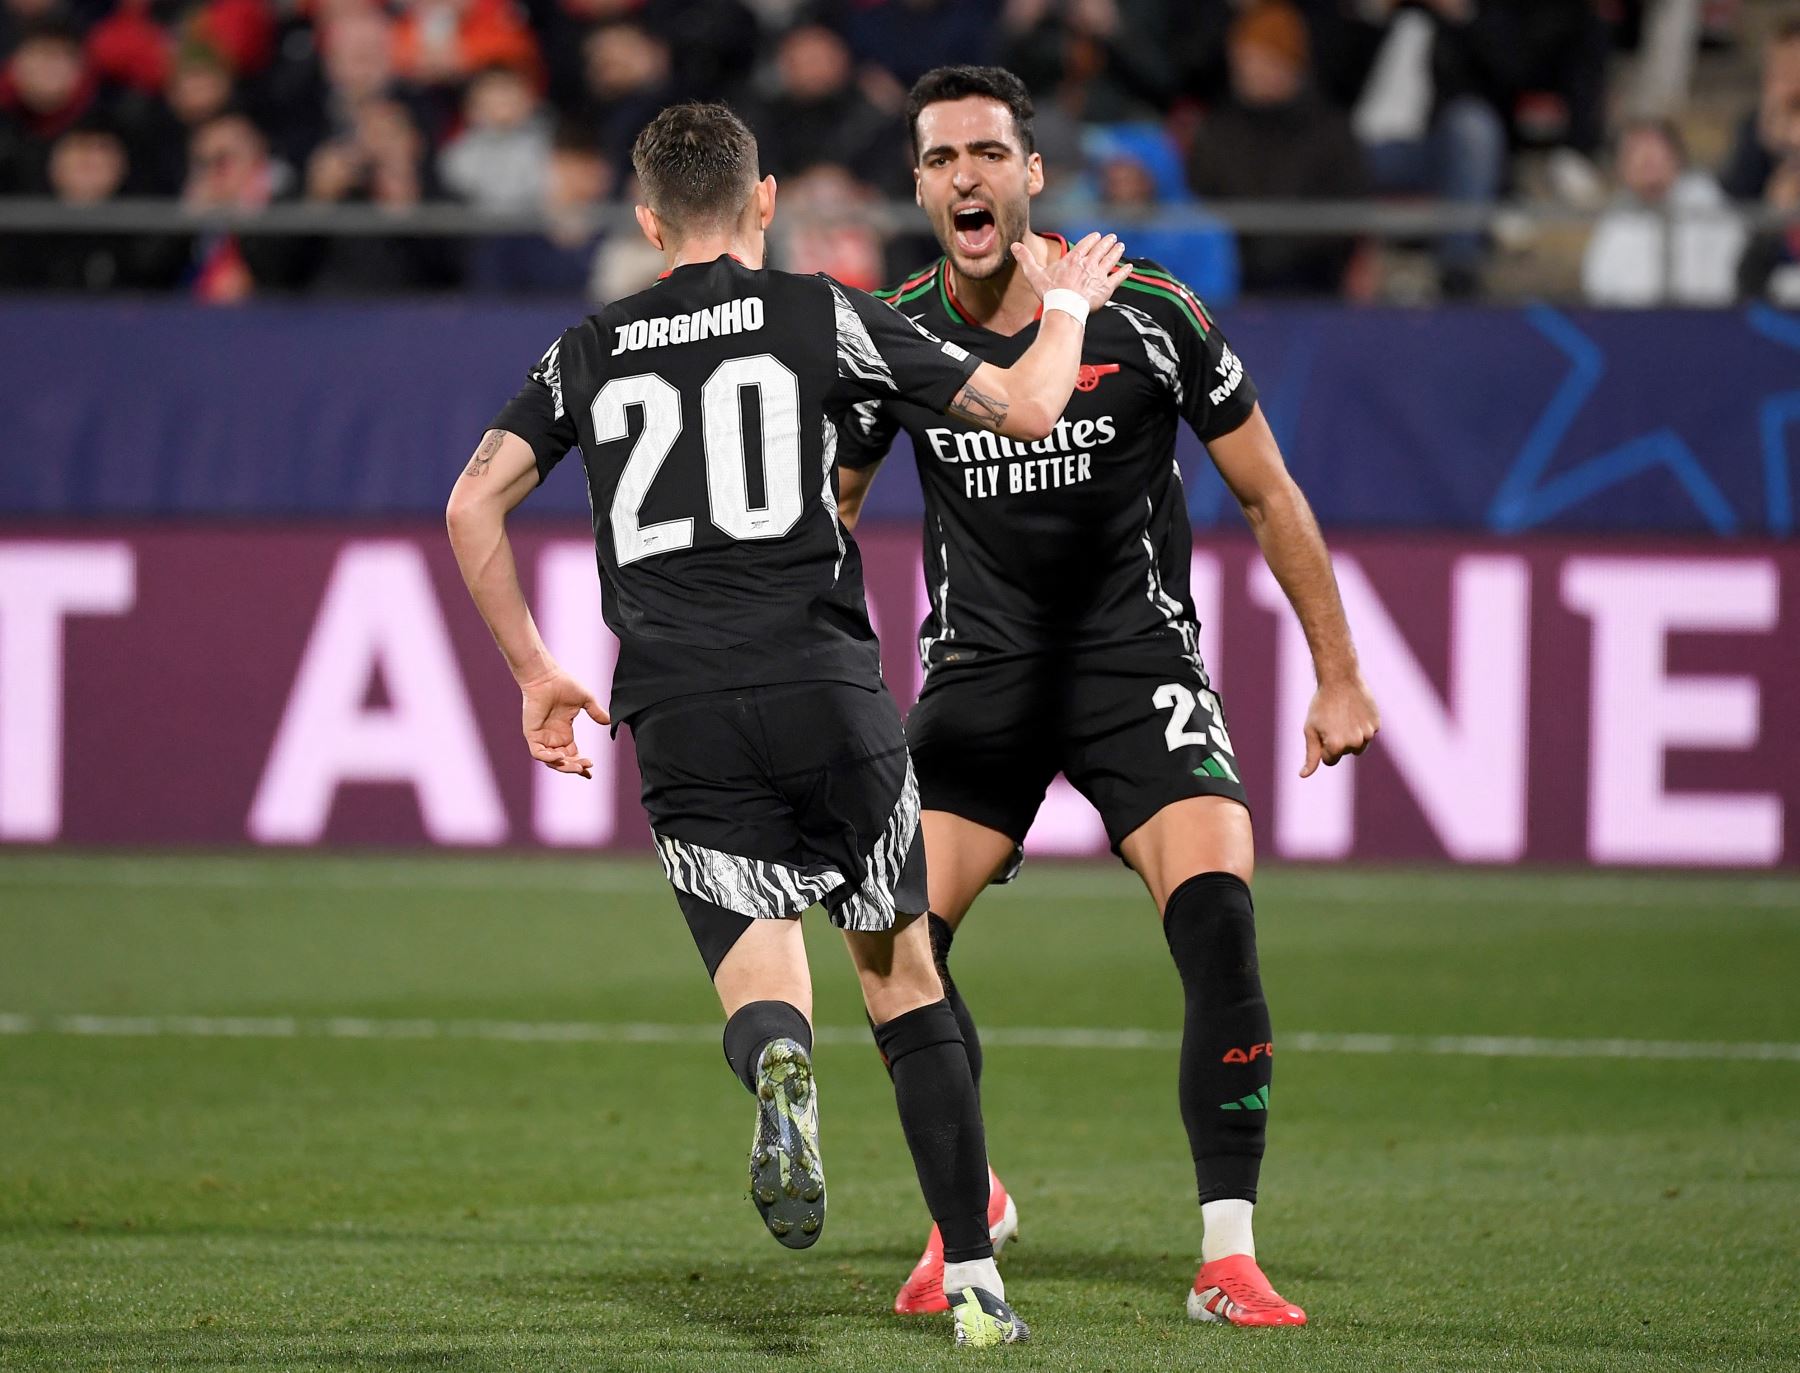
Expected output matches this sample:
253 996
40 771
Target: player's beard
1012 222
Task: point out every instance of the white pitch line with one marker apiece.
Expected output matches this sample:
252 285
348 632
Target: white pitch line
1021 1037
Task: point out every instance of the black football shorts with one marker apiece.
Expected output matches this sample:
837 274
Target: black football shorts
1133 734
767 800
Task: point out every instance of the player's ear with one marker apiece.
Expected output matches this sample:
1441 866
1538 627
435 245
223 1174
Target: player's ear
651 225
1034 174
765 202
918 190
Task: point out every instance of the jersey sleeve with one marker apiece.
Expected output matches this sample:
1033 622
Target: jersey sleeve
882 354
865 432
1188 350
537 414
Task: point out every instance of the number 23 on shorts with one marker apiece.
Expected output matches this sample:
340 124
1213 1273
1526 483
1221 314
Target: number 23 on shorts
1181 702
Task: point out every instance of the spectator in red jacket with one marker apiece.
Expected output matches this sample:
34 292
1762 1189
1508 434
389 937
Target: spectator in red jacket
240 31
129 49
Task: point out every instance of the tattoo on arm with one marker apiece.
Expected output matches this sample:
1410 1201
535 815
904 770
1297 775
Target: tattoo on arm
978 408
490 445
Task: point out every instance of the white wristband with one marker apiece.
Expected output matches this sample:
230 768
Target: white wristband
1069 302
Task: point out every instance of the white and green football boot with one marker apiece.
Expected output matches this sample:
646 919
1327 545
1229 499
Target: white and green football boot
787 1178
984 1320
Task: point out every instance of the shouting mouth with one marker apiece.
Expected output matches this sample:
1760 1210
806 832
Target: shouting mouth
976 231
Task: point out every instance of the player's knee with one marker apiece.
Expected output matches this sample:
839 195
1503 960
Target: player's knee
905 983
1197 835
1210 924
895 995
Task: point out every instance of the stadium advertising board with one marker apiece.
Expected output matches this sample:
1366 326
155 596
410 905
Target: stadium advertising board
1586 420
1543 700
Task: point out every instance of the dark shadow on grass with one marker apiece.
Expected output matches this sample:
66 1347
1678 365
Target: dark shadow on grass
754 1310
789 1309
880 1265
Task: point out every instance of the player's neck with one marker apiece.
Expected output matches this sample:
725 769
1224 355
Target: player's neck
1004 302
710 249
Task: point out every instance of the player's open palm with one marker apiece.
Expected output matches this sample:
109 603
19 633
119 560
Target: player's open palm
551 704
1091 268
1343 719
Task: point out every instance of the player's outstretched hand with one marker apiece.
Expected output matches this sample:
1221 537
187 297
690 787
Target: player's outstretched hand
1343 719
551 703
1091 267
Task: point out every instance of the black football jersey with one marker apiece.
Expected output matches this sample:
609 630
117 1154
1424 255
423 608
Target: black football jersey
1080 541
707 409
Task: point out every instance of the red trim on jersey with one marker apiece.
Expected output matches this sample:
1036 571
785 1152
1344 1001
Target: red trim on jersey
911 284
950 297
1177 289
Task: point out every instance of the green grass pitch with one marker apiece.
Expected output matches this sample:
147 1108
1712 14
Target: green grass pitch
368 1173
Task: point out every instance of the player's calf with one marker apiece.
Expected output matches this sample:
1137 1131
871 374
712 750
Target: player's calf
1227 1047
1227 1065
941 1118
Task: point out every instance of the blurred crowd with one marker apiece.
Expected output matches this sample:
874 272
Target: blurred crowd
530 106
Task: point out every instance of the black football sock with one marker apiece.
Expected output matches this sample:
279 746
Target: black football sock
941 937
942 934
1226 1043
753 1025
941 1118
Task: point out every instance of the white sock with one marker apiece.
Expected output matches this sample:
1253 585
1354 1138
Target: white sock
1227 1229
982 1273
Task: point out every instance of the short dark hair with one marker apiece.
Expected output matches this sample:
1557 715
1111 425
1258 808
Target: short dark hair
95 122
958 83
49 28
232 114
576 136
697 163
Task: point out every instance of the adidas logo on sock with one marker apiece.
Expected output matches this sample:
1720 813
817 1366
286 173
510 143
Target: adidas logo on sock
1256 1101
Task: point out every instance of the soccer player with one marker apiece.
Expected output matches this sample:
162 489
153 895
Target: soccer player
1061 635
775 770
